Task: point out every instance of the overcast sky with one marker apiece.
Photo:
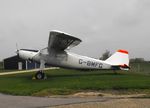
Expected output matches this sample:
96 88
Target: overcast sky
100 24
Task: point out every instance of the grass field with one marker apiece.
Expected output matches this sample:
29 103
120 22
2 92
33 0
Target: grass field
63 81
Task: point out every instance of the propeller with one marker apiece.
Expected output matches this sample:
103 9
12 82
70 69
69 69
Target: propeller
17 50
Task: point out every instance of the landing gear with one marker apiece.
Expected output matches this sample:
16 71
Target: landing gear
40 75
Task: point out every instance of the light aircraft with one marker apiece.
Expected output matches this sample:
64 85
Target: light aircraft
57 54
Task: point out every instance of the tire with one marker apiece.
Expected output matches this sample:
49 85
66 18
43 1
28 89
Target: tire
39 75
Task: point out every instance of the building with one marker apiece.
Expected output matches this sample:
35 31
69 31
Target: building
15 62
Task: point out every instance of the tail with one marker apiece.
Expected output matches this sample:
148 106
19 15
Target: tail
119 60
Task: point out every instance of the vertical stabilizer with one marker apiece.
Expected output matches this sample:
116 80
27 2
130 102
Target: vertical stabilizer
119 58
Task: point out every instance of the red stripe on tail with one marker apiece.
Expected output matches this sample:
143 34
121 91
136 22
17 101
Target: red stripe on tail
123 51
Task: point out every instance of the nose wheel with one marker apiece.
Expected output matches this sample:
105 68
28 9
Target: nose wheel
40 75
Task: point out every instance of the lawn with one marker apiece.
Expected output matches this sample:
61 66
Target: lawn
63 81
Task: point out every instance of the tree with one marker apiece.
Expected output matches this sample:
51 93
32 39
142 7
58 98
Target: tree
105 55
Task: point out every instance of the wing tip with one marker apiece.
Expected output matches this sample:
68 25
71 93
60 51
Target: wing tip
57 31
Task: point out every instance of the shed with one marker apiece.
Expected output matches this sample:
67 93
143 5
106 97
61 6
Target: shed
15 62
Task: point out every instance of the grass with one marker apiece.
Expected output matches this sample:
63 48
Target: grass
63 81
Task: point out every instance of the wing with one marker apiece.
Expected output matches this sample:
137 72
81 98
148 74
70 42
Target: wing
60 41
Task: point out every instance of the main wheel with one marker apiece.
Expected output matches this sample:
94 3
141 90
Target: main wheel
40 75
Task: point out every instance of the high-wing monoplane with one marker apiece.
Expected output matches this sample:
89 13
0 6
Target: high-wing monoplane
57 55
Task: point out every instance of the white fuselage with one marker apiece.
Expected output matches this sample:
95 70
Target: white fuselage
64 59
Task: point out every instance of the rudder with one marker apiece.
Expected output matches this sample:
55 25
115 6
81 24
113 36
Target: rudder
119 58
